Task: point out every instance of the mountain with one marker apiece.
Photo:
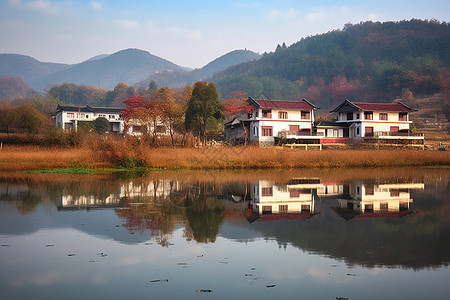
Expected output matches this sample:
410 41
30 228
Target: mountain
180 78
97 57
14 87
370 61
26 67
129 66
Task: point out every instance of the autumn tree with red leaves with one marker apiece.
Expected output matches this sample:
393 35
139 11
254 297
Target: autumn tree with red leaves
238 106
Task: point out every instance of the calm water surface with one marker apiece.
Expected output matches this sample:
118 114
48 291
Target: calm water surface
291 235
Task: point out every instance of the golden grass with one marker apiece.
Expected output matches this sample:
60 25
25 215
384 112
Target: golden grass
111 153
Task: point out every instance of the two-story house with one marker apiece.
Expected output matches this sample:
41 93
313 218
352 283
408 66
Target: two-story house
375 120
271 120
68 117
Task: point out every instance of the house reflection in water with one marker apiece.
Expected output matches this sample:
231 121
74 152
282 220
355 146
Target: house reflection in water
292 201
367 200
120 197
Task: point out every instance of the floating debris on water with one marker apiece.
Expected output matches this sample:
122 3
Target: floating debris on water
49 245
271 286
342 298
160 280
203 291
71 254
350 274
5 245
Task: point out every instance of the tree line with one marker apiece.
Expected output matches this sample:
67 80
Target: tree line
193 110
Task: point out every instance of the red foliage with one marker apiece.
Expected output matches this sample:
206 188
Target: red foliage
237 105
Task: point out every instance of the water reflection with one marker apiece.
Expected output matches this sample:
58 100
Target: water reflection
310 213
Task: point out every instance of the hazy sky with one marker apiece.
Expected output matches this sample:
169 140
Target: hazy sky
190 33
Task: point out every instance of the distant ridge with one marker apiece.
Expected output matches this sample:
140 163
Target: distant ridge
174 79
27 68
129 66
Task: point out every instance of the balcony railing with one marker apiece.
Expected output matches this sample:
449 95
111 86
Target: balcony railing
285 133
397 133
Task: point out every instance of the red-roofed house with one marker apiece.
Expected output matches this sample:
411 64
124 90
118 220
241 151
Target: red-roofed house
273 119
376 120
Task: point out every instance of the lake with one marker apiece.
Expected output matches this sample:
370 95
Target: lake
295 234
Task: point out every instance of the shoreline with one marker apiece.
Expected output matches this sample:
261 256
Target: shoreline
27 158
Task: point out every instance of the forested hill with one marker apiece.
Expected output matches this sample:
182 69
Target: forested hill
365 62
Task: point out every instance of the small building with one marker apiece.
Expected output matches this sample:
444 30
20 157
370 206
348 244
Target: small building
69 117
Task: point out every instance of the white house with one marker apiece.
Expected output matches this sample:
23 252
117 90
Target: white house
372 201
387 121
271 120
68 117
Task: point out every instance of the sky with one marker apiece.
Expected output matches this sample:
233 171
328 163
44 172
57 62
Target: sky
190 33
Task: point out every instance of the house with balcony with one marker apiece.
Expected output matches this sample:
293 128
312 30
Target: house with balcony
389 123
272 121
368 200
70 117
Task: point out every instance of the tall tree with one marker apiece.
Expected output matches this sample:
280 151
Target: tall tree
204 112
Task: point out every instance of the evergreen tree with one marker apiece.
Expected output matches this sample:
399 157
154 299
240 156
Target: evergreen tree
204 112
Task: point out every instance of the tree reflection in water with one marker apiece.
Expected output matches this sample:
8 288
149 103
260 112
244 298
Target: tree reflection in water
356 220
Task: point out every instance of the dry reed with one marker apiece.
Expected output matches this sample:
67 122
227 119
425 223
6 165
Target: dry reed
97 153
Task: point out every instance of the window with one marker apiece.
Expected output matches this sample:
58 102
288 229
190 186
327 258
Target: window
267 113
403 116
394 192
266 191
266 209
306 207
255 131
349 116
394 130
383 116
87 116
368 131
368 208
384 207
305 115
294 128
283 208
282 115
112 116
403 206
294 193
266 131
70 115
369 191
368 115
357 116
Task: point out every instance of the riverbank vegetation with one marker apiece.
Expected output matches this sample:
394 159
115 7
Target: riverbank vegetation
132 154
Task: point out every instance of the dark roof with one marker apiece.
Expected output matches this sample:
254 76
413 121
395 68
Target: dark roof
361 106
349 214
282 104
72 108
280 217
330 124
85 109
233 122
105 110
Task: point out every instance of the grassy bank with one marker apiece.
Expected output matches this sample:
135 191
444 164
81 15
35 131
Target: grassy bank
121 155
